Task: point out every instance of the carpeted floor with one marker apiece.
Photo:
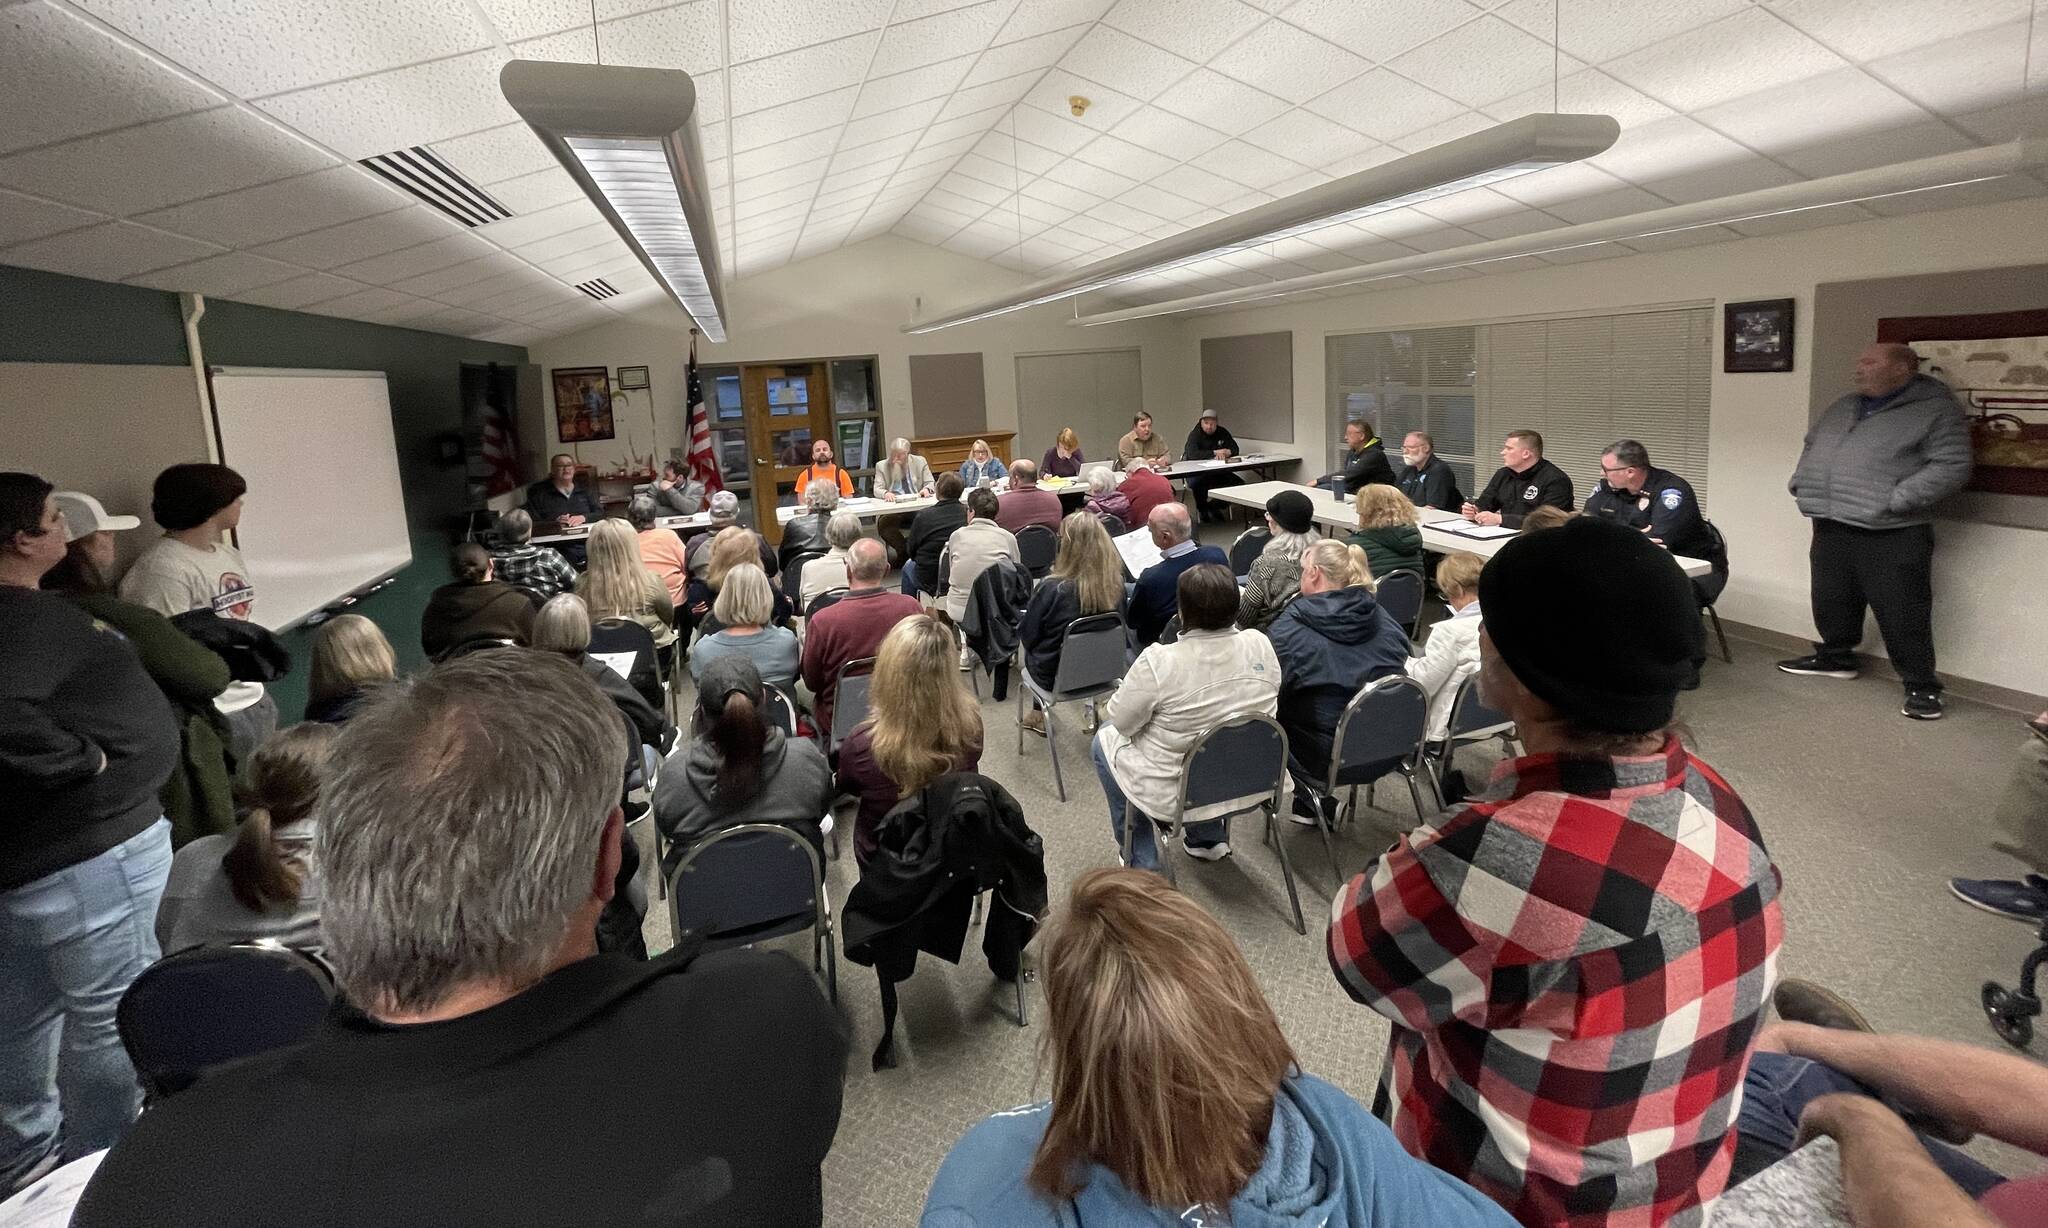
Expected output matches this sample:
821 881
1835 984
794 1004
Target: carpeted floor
1867 814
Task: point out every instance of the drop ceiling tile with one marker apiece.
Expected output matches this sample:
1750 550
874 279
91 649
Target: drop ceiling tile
300 292
1216 101
1620 202
776 182
1362 159
1437 134
684 36
1383 105
568 46
1288 62
829 66
1027 55
1113 153
1599 30
1967 73
929 40
496 154
1732 58
966 206
887 93
1001 93
858 178
404 107
61 77
1093 180
582 239
792 119
538 225
283 208
1097 229
1194 29
1300 182
1060 133
934 161
484 295
1739 172
1168 135
1863 31
815 146
974 243
1672 146
1588 91
1245 163
1380 29
885 153
25 217
766 207
543 189
1306 138
1160 203
1139 69
519 19
255 49
362 239
1196 185
1482 61
468 273
362 303
222 276
1106 107
966 125
162 163
1545 189
110 251
1470 206
1125 217
1832 105
1033 18
1031 208
972 189
770 27
413 261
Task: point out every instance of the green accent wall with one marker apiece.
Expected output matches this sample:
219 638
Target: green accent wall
47 317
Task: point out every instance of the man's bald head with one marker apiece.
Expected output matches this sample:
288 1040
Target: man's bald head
867 561
1884 367
1170 525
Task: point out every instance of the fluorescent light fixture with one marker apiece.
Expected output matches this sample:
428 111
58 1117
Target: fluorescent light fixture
1503 151
628 136
1901 179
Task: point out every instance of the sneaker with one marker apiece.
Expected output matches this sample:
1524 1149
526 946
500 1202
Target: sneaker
1922 705
2021 901
1034 721
1211 852
1805 1002
1817 666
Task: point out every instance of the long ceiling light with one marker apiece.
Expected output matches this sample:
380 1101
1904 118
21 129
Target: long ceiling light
1905 178
629 137
1503 151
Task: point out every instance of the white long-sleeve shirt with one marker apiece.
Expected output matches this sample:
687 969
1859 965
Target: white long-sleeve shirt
1450 656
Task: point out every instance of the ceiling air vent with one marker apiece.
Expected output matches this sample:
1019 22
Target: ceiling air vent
423 174
597 289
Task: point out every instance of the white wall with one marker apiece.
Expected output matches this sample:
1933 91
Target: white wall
852 302
1989 579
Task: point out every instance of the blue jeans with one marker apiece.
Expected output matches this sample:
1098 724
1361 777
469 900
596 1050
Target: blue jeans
1776 1091
71 943
1144 844
910 577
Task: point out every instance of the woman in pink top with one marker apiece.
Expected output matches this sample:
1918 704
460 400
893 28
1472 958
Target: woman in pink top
660 549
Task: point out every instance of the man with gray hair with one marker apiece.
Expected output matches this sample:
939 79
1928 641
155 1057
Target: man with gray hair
828 573
1156 597
540 570
805 532
901 475
474 1073
724 511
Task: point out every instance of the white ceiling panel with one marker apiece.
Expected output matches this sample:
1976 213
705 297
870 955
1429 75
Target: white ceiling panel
224 276
913 118
1194 29
404 107
1059 133
933 81
483 294
761 84
281 209
582 239
1245 163
522 19
513 232
359 240
1307 138
162 163
1865 31
1136 67
1113 153
1379 30
1033 18
1025 55
1384 105
1599 30
1093 180
1829 106
1463 124
1288 62
1969 72
363 303
1483 61
1882 147
110 251
1215 101
1168 134
969 99
25 217
884 153
468 273
496 154
774 183
1106 107
792 119
1588 91
770 27
300 292
61 77
413 261
684 36
1735 57
929 40
543 189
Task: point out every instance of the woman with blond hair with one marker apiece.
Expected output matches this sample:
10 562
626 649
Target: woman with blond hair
1176 1098
350 656
732 546
619 585
981 466
1063 459
1389 530
921 725
1332 640
745 605
1087 578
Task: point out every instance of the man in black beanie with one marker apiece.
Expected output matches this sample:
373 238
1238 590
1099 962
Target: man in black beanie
1576 964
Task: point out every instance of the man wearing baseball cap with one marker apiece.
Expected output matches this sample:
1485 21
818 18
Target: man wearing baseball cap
724 510
1575 965
1209 440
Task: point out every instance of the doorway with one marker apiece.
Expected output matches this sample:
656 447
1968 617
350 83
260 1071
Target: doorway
766 416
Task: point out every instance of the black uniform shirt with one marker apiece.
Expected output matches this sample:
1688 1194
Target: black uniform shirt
1515 495
1665 506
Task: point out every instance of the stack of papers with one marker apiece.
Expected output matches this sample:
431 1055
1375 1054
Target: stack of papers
1465 528
1139 551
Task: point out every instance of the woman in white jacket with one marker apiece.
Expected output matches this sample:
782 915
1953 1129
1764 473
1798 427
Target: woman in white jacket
1452 653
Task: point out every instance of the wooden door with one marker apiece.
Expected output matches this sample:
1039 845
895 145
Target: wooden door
788 406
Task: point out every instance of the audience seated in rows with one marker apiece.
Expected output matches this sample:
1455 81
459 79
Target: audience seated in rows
661 551
198 798
86 743
738 767
1087 578
1155 597
930 530
1062 460
805 532
1275 575
540 570
976 546
476 605
1172 695
921 724
1389 530
618 585
1025 503
1145 489
351 658
1575 967
1451 654
730 547
827 572
852 628
1176 1098
981 466
1330 641
465 852
744 609
563 627
1105 499
257 882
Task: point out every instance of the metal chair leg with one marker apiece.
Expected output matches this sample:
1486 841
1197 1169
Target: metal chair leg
1323 829
976 918
1023 1011
1415 795
1021 688
1286 865
1052 744
1714 616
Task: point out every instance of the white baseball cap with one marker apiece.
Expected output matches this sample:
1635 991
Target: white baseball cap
83 516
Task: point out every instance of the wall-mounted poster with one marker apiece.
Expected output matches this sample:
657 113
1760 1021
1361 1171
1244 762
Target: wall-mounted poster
1757 336
2004 382
583 404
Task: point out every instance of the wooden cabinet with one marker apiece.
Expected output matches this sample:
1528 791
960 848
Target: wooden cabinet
945 452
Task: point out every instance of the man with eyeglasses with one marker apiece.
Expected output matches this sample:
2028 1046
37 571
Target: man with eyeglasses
1636 494
1424 477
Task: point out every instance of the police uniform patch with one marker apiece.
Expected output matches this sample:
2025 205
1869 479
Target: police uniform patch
1671 498
1643 503
1531 493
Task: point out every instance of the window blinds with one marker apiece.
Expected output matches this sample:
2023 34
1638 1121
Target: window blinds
1412 380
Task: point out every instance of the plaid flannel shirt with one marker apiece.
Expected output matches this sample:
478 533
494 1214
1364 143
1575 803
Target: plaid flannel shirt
537 569
1575 969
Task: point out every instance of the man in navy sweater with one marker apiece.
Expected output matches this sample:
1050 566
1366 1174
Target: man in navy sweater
1156 599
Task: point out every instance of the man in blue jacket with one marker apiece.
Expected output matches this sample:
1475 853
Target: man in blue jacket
1156 599
1872 470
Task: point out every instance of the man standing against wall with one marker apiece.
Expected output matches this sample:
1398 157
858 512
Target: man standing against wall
1872 470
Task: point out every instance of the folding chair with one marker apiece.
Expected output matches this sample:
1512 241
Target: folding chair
849 699
1113 523
1037 547
1472 722
644 778
1246 549
1239 764
207 1005
1707 608
793 579
782 711
753 882
628 648
1399 593
1091 666
1384 729
823 602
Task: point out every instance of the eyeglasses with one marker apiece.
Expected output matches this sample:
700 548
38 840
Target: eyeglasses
1616 468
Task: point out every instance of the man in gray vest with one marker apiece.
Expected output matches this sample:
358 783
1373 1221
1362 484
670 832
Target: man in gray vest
1873 468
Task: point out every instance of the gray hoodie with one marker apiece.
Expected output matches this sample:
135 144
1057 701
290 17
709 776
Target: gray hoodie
1888 469
796 791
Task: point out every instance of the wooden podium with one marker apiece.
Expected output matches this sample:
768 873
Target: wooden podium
945 452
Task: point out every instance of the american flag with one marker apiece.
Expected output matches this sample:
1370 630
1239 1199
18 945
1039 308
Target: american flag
703 462
500 451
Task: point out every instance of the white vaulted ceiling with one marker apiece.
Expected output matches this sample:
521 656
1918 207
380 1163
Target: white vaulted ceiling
210 145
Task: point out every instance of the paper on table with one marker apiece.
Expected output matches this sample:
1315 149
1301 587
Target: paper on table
49 1202
1139 551
1482 531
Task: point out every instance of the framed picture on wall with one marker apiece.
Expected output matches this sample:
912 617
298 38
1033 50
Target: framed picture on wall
1757 336
633 378
583 404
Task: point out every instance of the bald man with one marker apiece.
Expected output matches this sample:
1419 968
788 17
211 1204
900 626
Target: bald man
1874 466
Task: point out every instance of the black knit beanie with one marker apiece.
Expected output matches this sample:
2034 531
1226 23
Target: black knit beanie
187 496
1596 619
1292 511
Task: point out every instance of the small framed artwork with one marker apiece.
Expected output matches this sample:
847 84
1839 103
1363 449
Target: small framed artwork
583 403
633 378
1757 336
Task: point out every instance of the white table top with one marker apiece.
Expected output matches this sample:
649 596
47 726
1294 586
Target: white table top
701 520
1250 460
868 508
1343 514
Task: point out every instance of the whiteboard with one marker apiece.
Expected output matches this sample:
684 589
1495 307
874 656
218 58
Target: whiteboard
325 513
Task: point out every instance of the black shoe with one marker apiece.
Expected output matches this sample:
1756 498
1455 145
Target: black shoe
1817 666
1805 1002
1922 705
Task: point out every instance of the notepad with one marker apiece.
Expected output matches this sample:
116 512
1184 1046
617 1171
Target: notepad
1484 532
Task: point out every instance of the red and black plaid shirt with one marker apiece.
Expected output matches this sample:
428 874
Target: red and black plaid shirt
1575 971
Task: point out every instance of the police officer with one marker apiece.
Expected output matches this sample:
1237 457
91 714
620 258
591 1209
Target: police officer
1635 493
1523 483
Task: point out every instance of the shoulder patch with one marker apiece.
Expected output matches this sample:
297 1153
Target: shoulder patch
1671 497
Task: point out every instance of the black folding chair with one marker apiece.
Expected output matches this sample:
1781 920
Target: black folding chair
1472 722
1239 764
1113 523
782 711
793 579
1383 730
207 1005
1399 593
1091 665
823 602
1246 549
750 883
628 648
1037 547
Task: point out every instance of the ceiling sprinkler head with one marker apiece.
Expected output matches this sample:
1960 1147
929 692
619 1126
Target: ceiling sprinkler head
1077 104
